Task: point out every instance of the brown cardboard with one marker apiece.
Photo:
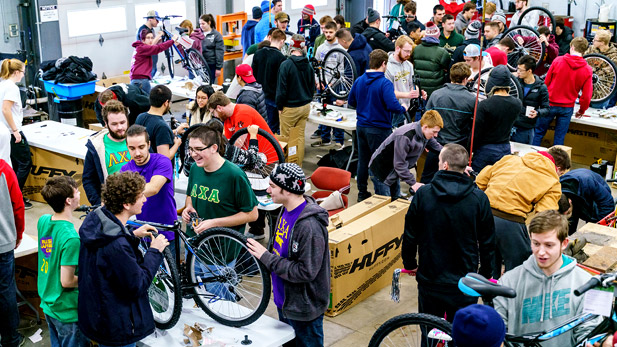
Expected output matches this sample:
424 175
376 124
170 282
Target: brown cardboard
603 260
291 142
108 82
356 211
88 114
46 164
363 255
95 126
588 143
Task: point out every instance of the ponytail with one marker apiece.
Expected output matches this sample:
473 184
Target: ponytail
216 125
9 66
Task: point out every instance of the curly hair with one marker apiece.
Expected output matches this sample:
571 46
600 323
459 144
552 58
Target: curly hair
122 188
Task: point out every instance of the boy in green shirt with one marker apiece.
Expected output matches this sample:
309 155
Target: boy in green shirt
449 38
58 259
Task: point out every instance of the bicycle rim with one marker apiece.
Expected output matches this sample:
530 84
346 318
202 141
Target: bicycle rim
339 71
197 64
543 16
413 329
270 151
236 286
530 45
604 77
515 87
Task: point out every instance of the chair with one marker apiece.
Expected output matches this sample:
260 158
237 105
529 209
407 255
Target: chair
329 179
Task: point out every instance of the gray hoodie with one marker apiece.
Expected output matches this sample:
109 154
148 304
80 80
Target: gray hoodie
400 74
544 302
460 24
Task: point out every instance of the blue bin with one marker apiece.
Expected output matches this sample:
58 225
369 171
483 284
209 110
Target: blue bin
70 91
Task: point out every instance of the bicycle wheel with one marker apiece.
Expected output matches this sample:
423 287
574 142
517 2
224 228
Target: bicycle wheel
234 287
164 292
186 161
537 16
170 61
526 42
413 329
339 71
515 87
270 151
198 66
604 77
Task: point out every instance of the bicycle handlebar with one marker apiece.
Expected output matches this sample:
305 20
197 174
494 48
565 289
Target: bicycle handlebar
159 226
594 281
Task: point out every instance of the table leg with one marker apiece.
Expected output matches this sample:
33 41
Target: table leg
354 141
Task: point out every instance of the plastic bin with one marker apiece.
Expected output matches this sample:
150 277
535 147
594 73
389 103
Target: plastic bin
70 90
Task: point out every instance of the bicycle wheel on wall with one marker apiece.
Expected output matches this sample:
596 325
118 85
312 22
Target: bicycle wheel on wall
413 329
340 72
604 77
198 65
234 286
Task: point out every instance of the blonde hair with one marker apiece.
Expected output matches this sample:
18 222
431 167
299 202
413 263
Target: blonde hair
9 66
604 36
431 119
188 25
490 9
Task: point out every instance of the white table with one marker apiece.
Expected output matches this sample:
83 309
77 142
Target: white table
348 124
522 148
58 137
176 85
265 331
592 117
29 245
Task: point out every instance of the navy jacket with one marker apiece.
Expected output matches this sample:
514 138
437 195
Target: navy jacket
114 277
590 194
372 94
93 175
314 31
359 51
248 35
130 96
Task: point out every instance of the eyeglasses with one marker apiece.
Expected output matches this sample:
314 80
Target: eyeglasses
197 150
202 98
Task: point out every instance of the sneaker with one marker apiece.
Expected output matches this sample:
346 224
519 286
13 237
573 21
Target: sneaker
316 134
320 143
27 205
339 146
363 196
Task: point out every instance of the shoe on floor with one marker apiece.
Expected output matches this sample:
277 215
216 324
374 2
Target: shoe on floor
316 134
339 146
363 196
320 143
27 205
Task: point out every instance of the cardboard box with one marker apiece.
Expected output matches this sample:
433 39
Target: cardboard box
95 126
291 149
357 211
89 116
46 164
363 255
108 82
587 143
26 272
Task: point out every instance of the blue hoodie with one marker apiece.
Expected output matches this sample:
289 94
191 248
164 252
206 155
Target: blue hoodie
114 277
248 35
593 195
377 103
359 51
265 23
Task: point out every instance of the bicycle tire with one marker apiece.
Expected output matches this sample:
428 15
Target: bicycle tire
604 85
385 335
208 246
342 74
515 87
269 148
197 65
165 282
546 13
531 47
170 62
183 150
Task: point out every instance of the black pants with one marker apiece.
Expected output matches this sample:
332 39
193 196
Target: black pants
442 302
431 166
513 245
21 159
259 224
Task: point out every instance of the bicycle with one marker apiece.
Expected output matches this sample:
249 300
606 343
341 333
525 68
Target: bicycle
604 77
435 331
515 87
219 274
190 58
336 73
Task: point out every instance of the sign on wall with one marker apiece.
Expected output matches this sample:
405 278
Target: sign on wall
48 13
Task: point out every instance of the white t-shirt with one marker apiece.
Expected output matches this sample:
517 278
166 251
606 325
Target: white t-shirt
9 91
5 144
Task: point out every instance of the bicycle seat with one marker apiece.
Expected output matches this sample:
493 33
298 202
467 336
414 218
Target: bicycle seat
181 30
476 285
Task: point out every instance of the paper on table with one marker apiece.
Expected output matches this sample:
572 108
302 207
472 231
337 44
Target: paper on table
598 302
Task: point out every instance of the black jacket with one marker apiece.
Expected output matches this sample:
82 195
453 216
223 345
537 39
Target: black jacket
253 95
378 40
70 70
564 40
450 224
266 63
536 97
359 27
114 278
457 56
455 103
130 96
306 272
296 83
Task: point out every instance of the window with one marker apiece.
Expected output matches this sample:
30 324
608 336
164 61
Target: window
299 4
176 8
99 21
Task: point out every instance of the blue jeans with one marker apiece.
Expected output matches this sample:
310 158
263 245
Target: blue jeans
339 134
562 116
369 140
273 116
398 119
9 316
143 83
65 334
522 135
393 191
155 60
308 334
488 155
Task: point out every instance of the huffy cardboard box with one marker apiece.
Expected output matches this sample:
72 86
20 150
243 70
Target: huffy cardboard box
588 143
356 211
363 255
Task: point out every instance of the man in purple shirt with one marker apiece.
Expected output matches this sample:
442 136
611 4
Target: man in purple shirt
157 170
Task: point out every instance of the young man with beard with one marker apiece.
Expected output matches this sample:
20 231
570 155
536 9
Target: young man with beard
162 138
107 151
157 170
438 13
531 19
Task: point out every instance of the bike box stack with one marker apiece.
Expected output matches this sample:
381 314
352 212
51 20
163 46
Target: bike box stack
356 211
363 254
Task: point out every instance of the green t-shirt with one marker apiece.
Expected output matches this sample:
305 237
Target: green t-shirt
222 193
116 155
58 246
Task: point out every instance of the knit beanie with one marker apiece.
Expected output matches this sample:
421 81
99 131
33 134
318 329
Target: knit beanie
309 10
298 43
499 16
499 78
478 325
290 177
432 30
372 15
473 30
257 12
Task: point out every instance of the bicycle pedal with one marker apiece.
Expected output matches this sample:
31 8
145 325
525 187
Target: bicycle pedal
178 61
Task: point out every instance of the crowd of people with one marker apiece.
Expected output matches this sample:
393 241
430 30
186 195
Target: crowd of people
129 170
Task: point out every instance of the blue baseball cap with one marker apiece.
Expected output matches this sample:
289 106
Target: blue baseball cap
153 14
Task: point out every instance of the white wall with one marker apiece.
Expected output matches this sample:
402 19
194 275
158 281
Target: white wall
288 7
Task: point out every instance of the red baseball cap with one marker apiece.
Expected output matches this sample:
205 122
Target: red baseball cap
245 72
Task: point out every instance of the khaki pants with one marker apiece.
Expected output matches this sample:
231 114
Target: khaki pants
295 117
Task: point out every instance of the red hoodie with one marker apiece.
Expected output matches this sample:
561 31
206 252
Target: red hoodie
10 193
141 63
567 76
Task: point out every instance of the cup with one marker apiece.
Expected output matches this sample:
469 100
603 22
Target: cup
528 110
